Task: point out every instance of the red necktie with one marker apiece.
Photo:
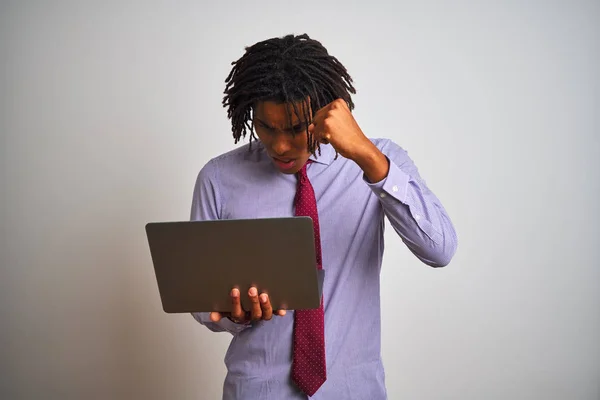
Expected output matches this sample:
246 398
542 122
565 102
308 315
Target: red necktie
308 367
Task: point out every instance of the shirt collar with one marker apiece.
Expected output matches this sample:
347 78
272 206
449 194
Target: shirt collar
327 155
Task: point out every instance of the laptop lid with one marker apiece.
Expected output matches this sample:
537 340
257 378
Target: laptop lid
197 263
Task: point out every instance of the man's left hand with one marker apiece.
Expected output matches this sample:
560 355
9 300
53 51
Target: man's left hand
335 124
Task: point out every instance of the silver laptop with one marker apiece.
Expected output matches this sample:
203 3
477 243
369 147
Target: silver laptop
197 263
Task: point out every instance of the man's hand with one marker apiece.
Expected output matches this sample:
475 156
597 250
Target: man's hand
261 308
335 124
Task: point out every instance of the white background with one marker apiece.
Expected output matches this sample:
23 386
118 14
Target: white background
109 109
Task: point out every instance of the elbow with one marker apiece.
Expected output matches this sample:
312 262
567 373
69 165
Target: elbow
442 254
435 248
439 262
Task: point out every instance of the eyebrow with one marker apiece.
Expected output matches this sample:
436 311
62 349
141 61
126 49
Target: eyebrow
299 125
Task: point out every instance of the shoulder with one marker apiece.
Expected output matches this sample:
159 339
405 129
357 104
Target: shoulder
231 161
238 163
236 155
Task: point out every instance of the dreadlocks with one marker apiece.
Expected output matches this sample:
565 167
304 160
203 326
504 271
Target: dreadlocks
286 70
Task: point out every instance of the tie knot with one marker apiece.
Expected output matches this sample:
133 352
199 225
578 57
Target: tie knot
302 175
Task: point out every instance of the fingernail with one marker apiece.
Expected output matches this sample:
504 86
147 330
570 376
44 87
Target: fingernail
263 298
252 292
235 292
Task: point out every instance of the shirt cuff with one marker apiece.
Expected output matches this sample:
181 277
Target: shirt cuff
395 184
225 324
233 327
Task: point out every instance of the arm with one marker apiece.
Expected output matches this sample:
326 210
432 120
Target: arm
206 205
414 211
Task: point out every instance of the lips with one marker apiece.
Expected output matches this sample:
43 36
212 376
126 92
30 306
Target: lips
284 164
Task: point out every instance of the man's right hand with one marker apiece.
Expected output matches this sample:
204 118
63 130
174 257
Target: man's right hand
261 308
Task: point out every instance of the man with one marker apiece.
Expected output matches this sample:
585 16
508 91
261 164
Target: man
308 156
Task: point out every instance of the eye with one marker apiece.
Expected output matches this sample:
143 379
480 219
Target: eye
261 125
299 128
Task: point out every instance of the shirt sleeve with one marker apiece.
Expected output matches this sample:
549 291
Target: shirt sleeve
207 205
413 210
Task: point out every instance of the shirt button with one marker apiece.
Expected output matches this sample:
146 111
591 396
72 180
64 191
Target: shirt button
395 188
417 217
382 195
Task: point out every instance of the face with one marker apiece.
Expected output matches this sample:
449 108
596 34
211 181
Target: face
284 140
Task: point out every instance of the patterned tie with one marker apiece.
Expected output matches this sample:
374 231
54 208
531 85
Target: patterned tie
308 367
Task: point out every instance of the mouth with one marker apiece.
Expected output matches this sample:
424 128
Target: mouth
284 164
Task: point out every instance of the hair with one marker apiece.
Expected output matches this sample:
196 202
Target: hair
288 70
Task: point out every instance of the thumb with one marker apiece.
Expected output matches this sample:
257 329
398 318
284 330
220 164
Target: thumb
215 316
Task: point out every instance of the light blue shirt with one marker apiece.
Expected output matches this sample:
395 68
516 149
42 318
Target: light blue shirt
244 183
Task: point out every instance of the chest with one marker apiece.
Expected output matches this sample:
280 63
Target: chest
344 201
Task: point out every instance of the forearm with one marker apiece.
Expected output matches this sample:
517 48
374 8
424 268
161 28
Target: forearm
373 162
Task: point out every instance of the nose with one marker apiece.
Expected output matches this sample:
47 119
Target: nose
281 144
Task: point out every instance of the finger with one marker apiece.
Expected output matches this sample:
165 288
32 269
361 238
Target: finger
281 313
265 305
325 138
215 316
318 134
236 306
255 311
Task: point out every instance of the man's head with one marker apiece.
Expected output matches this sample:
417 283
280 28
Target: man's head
274 89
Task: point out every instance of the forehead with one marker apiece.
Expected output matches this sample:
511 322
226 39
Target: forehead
278 114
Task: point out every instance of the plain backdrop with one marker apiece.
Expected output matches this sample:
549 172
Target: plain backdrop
110 108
